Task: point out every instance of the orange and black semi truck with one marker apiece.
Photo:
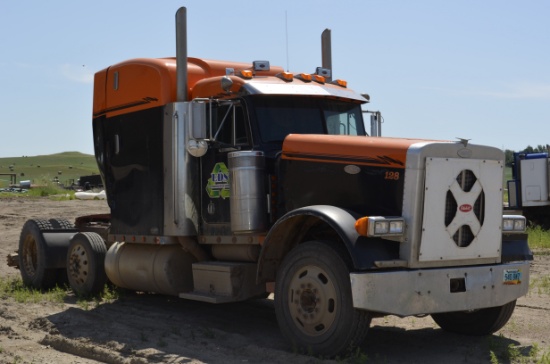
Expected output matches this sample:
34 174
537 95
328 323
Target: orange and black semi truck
230 181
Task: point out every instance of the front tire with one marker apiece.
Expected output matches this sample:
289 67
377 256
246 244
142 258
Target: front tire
313 300
485 321
85 264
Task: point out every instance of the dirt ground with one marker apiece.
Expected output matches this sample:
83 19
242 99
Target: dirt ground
140 328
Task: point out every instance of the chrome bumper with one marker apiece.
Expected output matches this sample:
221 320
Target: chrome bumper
427 291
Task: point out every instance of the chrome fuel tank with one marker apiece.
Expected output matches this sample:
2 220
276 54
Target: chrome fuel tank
162 269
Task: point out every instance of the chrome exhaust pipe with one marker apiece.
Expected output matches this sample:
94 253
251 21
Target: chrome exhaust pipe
326 51
181 54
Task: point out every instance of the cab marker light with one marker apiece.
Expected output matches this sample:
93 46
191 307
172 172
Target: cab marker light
319 79
513 223
285 76
341 83
246 74
306 77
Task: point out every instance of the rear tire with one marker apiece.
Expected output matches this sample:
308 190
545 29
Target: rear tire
313 300
32 255
65 225
86 264
485 321
61 224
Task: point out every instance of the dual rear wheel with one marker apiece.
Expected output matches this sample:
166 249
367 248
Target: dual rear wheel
85 264
37 269
41 268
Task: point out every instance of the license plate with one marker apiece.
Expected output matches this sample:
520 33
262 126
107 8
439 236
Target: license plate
512 276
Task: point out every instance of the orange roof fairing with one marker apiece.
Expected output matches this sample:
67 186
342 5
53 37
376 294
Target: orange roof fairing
143 83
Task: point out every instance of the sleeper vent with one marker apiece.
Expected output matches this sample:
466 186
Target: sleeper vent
464 235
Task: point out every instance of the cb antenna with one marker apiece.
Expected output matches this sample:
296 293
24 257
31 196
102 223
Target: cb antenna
286 31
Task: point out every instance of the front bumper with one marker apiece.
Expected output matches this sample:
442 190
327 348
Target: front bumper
427 291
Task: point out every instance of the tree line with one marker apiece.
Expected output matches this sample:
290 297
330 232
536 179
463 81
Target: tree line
509 154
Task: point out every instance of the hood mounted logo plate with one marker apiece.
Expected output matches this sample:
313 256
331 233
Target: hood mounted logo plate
465 207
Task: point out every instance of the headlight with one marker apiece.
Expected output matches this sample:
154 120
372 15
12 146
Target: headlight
513 223
372 226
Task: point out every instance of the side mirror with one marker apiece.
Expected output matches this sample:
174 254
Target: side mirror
197 120
197 148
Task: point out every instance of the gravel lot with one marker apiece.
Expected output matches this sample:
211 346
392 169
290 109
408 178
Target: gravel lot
140 328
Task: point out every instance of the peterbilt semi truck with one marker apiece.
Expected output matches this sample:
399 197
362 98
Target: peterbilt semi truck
229 181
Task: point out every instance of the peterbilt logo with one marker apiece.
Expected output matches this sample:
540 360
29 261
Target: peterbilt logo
465 208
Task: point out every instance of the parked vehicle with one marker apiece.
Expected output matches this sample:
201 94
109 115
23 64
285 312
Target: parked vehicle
228 181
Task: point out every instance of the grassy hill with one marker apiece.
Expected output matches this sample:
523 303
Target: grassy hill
67 167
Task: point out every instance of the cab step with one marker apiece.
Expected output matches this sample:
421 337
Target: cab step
222 282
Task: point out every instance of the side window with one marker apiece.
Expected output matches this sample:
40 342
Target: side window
341 123
229 124
333 124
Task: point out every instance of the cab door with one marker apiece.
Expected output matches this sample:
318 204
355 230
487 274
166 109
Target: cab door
229 131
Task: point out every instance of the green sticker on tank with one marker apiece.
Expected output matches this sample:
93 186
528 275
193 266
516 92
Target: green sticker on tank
218 183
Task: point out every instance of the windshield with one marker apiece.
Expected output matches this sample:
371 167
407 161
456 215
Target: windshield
279 116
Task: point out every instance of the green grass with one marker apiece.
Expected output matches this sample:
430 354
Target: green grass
53 190
540 285
538 238
14 287
49 189
66 167
501 353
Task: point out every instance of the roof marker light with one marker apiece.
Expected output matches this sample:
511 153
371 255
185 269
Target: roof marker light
341 83
319 79
246 74
306 77
285 76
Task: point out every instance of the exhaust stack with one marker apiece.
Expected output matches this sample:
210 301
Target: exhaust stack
181 54
326 51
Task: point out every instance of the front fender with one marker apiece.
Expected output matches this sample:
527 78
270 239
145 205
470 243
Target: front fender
335 224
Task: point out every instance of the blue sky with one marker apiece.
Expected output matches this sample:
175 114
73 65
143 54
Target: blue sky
435 69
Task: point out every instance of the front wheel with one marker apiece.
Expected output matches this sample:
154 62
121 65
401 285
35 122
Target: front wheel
313 300
479 322
85 264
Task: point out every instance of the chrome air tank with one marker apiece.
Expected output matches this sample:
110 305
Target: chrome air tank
248 198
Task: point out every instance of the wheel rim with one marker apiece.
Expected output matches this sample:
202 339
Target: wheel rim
30 256
78 265
312 300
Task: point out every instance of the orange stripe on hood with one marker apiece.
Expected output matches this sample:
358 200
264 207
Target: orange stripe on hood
376 151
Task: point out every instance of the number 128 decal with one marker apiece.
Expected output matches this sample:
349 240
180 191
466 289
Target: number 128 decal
394 176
